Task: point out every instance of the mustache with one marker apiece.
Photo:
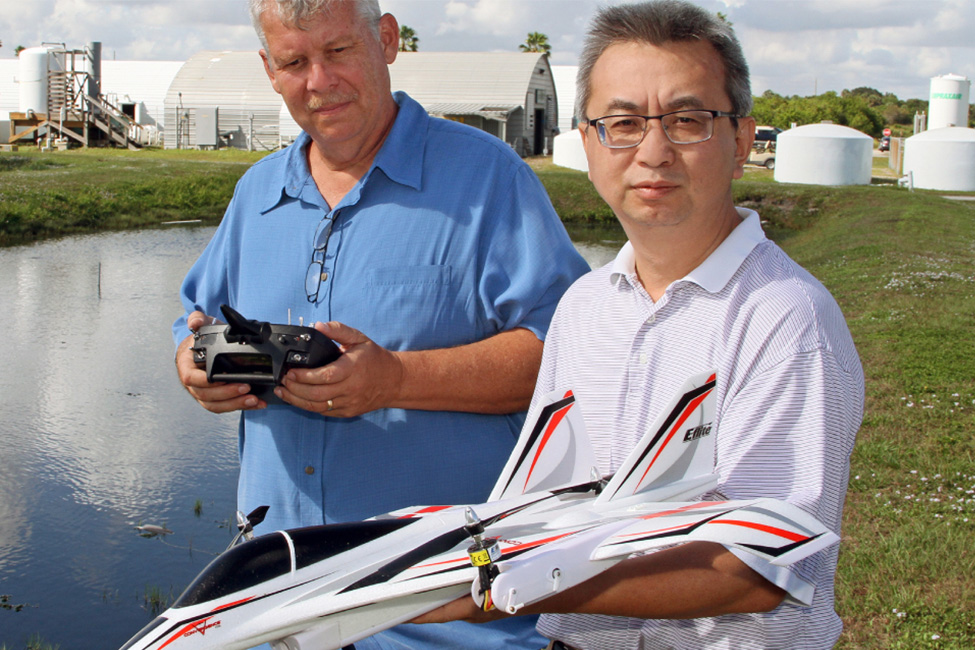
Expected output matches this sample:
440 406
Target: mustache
321 101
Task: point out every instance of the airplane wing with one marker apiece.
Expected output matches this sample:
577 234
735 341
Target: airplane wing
774 530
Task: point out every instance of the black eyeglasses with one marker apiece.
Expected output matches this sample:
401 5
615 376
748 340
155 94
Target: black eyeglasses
316 273
680 127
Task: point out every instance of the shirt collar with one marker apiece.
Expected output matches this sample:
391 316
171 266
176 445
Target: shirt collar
714 273
397 158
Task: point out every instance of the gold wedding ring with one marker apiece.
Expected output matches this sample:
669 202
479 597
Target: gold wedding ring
331 405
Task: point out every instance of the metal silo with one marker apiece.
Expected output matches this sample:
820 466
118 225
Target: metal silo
35 64
948 104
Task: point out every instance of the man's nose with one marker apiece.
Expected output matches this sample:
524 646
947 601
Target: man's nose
321 76
655 149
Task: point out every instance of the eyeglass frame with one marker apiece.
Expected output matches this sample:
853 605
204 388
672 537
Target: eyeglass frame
600 132
328 222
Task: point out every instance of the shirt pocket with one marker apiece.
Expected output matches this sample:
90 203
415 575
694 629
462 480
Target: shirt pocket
420 307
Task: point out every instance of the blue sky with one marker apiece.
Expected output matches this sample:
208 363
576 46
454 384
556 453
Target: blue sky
793 47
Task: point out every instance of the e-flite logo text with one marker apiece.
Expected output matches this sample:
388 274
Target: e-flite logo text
697 432
201 627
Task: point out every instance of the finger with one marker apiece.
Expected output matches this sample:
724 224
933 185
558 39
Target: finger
239 403
331 373
308 402
196 320
343 335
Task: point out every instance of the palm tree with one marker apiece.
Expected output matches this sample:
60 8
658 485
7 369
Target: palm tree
536 42
408 39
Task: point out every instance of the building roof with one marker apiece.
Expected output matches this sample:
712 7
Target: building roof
493 80
224 79
484 110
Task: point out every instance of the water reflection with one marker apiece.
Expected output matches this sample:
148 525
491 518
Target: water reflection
98 436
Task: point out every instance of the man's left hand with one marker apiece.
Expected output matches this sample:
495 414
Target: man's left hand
462 609
365 378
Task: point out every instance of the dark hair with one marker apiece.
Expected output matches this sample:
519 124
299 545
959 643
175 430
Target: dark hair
656 23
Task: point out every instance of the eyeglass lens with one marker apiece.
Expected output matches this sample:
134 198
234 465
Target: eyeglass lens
316 269
681 127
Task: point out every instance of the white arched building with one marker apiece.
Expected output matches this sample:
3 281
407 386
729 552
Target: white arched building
508 94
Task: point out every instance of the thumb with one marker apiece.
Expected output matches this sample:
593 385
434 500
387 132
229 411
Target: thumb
342 334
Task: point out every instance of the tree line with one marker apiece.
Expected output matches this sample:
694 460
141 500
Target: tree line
864 109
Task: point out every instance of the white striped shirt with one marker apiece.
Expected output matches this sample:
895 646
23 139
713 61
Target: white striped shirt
789 403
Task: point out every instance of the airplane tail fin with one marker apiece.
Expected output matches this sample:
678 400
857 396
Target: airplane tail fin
553 450
675 458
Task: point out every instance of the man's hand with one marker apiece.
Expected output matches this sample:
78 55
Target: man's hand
217 397
365 378
462 609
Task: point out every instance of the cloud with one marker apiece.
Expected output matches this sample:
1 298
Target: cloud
793 46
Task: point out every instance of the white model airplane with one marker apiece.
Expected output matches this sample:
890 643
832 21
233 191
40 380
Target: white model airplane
550 523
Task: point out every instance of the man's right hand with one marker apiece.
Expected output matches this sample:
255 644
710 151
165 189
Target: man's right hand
216 397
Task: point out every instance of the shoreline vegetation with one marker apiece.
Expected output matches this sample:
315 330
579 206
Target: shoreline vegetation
901 265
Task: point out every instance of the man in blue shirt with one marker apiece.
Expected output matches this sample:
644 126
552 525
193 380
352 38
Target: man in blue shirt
428 250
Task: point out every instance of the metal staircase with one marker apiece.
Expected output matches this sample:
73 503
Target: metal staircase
74 113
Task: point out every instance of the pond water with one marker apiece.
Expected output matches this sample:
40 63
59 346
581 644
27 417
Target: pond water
97 437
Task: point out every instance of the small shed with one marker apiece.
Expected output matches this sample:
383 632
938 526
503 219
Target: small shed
508 94
824 154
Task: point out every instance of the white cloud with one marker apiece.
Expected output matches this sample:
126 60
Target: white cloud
793 46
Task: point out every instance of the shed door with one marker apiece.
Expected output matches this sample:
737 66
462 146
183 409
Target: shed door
539 145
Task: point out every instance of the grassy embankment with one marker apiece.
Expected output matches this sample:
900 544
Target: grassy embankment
899 263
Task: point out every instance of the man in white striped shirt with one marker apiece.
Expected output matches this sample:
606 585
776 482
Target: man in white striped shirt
663 97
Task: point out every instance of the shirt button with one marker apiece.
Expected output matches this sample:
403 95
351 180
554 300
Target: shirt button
324 276
643 358
309 470
652 318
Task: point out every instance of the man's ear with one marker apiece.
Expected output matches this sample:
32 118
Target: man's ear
389 37
744 139
584 132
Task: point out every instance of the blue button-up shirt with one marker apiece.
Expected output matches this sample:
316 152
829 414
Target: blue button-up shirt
448 239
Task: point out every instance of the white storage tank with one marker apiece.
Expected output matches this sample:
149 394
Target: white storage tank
942 159
35 64
567 151
823 154
948 104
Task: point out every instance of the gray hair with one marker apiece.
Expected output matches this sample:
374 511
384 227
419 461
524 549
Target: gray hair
295 13
657 23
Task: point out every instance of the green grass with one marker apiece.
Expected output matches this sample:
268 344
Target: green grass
52 194
902 267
